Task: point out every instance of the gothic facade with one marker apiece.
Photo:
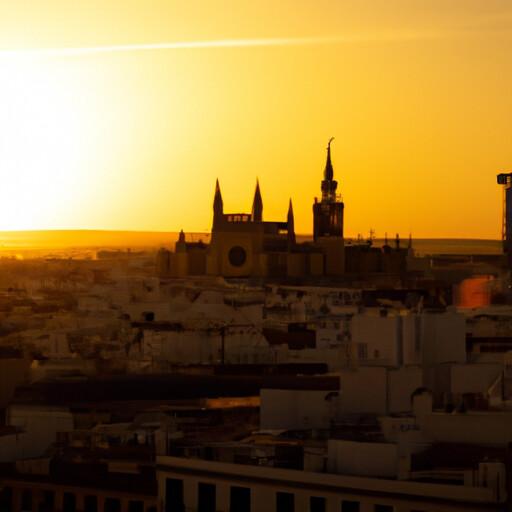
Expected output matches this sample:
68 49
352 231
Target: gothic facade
244 245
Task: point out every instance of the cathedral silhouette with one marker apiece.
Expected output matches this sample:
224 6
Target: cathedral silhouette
244 245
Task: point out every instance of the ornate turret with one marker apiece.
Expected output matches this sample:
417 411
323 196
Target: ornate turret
329 185
257 205
328 212
291 225
218 205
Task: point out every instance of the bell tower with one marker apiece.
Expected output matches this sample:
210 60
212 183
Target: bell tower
328 212
328 220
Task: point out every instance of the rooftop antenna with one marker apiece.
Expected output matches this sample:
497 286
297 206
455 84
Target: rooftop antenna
371 236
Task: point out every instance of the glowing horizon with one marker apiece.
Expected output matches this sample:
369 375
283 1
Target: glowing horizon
100 135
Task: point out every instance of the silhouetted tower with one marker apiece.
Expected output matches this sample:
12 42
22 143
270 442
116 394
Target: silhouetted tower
181 245
218 206
505 179
410 250
328 213
257 205
291 225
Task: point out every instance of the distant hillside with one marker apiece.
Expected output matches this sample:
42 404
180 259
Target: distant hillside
11 241
63 239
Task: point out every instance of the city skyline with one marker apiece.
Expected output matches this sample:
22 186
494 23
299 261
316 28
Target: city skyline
255 256
126 126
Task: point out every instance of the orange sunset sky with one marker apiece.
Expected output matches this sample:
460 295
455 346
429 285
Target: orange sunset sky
418 95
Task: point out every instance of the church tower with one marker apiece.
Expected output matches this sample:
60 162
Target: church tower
328 212
328 221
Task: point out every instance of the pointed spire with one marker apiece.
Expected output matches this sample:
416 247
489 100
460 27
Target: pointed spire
291 224
217 200
181 237
329 184
257 204
218 205
329 172
290 211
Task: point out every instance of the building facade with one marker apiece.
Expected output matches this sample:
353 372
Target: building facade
193 484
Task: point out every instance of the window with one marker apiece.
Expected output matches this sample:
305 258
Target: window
237 256
174 495
68 502
112 505
47 503
6 500
26 501
240 499
90 504
206 497
350 506
285 502
317 504
135 506
383 508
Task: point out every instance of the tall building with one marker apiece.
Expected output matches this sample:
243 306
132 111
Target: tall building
328 221
505 179
328 212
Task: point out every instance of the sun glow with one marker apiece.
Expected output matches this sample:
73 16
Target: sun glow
108 122
40 141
